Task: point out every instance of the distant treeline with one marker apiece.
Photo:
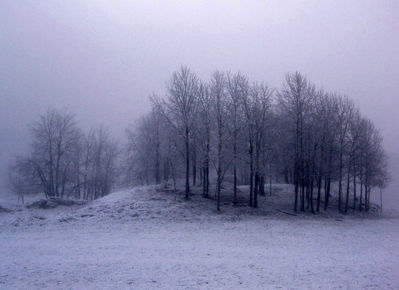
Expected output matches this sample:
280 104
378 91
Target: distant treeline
64 161
227 127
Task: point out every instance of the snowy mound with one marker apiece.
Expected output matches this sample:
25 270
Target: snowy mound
154 203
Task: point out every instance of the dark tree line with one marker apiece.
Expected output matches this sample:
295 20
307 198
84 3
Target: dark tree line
299 134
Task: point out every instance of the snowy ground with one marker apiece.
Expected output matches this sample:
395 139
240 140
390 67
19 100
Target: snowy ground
145 239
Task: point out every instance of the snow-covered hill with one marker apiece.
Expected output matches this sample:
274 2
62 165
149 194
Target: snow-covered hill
146 238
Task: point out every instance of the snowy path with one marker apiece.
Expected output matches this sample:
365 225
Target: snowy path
251 253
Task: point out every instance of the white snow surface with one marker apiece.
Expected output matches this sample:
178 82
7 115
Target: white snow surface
143 238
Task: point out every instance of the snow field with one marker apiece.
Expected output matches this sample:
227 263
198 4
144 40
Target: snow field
144 239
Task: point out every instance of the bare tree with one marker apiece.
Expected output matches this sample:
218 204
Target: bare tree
218 93
100 163
237 90
295 100
179 108
257 110
54 138
345 114
204 131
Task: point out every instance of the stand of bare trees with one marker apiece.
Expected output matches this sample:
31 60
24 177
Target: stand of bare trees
208 132
316 140
65 162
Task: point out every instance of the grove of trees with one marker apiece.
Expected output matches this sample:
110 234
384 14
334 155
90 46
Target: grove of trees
65 162
229 126
205 132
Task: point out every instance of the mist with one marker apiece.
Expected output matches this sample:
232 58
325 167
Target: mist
102 59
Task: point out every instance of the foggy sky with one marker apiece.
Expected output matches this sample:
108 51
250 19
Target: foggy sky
101 59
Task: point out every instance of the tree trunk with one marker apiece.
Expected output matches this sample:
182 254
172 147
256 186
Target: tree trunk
157 165
361 193
256 188
187 164
318 193
327 193
302 194
206 180
296 188
340 181
270 184
311 195
307 193
251 174
208 149
235 162
194 167
235 186
347 188
219 165
218 186
361 184
203 178
354 184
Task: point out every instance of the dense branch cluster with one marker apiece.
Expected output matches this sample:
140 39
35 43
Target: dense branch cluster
231 129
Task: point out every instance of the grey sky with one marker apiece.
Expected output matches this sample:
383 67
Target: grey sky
102 59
